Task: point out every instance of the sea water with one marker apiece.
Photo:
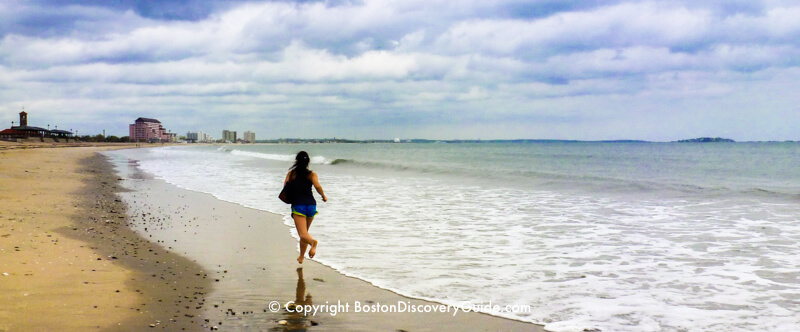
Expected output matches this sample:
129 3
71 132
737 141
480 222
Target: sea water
606 236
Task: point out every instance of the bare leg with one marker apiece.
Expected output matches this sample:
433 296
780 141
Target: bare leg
302 230
313 250
304 246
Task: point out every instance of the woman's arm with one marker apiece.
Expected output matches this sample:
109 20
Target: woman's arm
317 186
287 178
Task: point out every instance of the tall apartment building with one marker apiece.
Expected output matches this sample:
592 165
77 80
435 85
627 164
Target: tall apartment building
198 137
249 136
229 136
145 129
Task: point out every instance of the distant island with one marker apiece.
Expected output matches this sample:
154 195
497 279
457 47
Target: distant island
707 140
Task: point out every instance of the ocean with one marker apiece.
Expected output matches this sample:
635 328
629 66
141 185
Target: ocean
606 236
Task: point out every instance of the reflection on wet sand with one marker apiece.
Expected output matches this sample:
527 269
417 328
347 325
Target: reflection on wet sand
294 318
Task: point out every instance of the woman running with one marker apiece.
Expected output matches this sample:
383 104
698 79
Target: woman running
304 207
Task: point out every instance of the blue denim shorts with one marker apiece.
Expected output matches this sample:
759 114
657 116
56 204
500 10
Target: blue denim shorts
305 210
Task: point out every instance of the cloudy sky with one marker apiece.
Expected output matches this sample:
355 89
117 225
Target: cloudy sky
466 69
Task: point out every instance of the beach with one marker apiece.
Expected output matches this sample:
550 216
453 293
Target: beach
68 260
81 252
194 238
251 259
588 236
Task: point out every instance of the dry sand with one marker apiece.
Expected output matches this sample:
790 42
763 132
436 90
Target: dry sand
67 259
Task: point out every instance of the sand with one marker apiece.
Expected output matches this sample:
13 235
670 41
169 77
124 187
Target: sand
78 252
67 259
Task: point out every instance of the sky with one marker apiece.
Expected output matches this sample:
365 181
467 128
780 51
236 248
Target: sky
383 69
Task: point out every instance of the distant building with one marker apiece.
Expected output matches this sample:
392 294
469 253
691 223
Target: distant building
149 130
229 136
249 136
198 137
24 131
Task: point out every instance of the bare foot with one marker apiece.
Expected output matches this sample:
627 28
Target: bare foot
313 250
300 259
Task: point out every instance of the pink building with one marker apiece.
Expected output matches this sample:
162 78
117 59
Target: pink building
145 129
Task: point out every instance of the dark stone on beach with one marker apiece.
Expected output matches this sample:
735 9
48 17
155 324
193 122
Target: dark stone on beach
314 323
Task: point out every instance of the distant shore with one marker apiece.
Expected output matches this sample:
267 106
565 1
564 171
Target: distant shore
478 141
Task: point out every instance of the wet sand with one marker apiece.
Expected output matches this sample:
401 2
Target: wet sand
68 261
249 257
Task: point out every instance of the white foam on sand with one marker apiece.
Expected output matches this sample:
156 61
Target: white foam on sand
579 262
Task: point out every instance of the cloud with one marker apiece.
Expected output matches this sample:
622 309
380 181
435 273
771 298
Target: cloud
410 66
623 25
300 63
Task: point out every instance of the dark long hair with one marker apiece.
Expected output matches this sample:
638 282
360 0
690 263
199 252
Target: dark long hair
300 167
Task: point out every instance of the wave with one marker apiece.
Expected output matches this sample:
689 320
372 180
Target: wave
543 179
320 160
772 193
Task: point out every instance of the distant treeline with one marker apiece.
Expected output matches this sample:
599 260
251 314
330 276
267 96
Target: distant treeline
101 138
707 140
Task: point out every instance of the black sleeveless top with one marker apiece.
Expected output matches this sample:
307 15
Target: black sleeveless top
299 191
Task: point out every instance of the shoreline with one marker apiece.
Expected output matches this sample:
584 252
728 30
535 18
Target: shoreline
69 261
171 286
75 257
250 256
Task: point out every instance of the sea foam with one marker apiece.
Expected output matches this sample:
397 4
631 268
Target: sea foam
278 157
579 261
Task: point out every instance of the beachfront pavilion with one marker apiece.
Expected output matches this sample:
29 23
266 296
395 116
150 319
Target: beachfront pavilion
24 131
30 132
58 133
